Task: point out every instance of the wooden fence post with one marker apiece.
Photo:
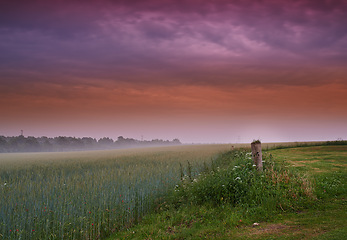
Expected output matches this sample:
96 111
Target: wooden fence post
257 156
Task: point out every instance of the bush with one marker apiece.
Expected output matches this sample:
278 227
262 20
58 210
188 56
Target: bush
238 183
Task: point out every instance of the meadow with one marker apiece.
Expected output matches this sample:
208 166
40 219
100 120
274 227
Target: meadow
92 194
89 195
301 194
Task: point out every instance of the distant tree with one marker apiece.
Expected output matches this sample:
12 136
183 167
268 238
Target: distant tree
75 143
105 141
89 142
62 143
3 144
176 141
31 144
17 144
120 139
46 144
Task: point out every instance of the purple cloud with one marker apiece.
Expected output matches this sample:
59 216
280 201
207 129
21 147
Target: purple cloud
174 42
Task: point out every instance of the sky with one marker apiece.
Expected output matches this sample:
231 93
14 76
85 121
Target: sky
201 71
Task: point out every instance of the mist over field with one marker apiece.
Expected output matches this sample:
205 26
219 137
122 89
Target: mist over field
63 144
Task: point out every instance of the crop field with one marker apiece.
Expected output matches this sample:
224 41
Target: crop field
300 194
88 195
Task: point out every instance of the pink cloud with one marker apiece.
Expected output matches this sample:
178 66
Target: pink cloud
194 63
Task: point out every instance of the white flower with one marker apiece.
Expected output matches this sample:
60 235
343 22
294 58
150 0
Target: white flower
5 184
238 178
254 165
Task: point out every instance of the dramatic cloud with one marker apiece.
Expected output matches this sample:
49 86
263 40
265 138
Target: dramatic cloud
172 57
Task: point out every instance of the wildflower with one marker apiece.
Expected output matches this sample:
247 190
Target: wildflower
238 178
254 165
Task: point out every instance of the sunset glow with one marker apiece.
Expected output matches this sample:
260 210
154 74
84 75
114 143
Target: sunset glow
201 71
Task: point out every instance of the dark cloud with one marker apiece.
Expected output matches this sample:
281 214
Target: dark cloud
61 19
169 42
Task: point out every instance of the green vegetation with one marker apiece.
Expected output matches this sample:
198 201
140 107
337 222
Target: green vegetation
301 194
88 195
305 144
184 192
61 143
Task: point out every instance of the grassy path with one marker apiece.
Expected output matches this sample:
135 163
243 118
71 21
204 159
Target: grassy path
327 167
324 218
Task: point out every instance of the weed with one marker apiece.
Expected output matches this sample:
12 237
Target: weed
288 202
239 184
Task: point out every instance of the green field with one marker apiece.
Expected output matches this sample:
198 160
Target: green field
185 192
88 195
304 198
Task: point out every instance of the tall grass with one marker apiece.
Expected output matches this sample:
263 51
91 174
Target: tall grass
226 194
89 195
237 183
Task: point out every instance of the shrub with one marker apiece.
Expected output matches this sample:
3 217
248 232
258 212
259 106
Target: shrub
238 183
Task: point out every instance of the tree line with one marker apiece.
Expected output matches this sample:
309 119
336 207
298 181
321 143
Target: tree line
62 143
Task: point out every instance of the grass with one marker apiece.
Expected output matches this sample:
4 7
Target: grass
88 195
300 195
193 193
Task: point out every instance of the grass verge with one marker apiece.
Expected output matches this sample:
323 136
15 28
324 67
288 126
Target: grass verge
301 194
